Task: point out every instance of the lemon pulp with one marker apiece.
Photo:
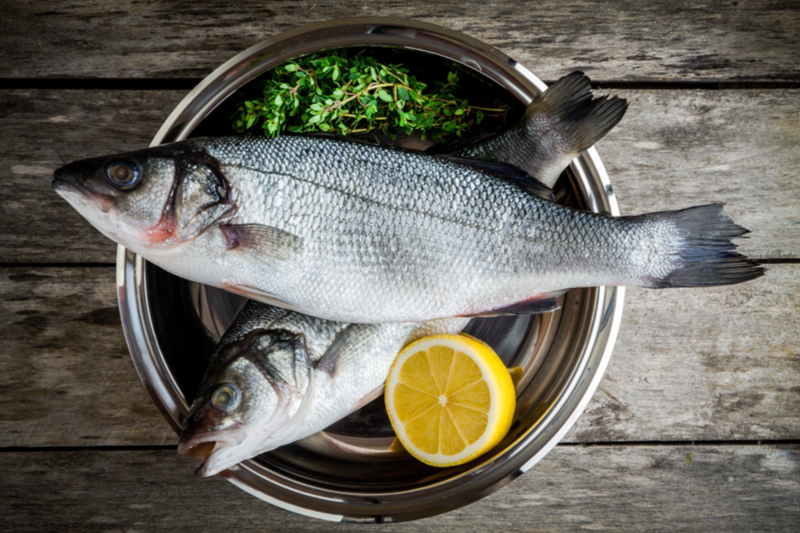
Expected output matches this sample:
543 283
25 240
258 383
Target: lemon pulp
450 399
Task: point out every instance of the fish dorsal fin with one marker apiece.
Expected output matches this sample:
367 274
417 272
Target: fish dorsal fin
460 143
507 172
544 303
264 242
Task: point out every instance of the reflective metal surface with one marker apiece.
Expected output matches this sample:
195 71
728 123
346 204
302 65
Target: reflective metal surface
350 472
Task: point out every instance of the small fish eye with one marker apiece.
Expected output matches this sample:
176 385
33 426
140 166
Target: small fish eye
123 174
225 397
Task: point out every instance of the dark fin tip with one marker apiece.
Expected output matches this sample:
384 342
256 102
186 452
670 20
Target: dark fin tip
582 119
591 122
708 253
727 269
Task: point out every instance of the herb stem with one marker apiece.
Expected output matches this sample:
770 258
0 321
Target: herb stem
349 94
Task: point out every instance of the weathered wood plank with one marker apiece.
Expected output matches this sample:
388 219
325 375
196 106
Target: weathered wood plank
673 149
66 374
676 149
43 130
619 488
718 364
703 364
621 40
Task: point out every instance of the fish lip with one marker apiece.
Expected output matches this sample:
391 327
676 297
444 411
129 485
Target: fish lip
61 174
224 440
220 437
66 182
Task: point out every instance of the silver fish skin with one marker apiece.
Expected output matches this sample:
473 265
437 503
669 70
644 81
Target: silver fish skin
278 376
558 124
359 233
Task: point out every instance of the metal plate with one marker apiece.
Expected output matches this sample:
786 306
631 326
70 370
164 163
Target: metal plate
349 472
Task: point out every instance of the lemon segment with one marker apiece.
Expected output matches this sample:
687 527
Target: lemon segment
450 399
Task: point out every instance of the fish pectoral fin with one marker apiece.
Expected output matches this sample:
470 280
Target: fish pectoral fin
545 303
262 242
507 172
347 343
257 294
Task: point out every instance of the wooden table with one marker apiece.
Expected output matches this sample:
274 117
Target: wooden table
695 426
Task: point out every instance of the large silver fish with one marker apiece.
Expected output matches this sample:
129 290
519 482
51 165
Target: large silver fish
277 376
360 233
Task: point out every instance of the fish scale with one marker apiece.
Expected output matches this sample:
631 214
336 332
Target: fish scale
453 228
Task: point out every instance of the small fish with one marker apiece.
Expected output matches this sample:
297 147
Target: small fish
277 377
360 233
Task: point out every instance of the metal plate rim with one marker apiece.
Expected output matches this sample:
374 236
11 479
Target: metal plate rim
202 99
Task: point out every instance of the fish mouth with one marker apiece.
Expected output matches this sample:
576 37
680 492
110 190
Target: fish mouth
217 450
66 184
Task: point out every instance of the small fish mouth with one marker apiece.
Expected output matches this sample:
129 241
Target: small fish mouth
199 451
204 450
216 450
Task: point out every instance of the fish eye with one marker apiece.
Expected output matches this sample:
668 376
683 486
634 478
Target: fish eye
225 397
123 174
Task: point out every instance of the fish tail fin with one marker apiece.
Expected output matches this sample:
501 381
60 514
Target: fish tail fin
567 117
705 255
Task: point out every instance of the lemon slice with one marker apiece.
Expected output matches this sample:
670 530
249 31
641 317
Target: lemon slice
450 399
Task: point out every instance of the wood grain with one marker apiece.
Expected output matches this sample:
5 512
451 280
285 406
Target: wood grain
717 365
625 488
619 40
703 364
43 130
689 364
676 149
65 371
673 149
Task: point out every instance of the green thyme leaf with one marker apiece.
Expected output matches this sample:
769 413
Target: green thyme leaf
354 93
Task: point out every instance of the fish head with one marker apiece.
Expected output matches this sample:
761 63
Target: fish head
150 199
254 397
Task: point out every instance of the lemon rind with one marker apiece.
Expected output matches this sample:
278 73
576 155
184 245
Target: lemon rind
499 418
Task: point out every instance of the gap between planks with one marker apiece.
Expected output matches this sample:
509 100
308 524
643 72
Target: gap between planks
165 84
621 444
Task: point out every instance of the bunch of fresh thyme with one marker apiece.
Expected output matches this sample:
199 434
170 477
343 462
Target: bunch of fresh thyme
335 92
